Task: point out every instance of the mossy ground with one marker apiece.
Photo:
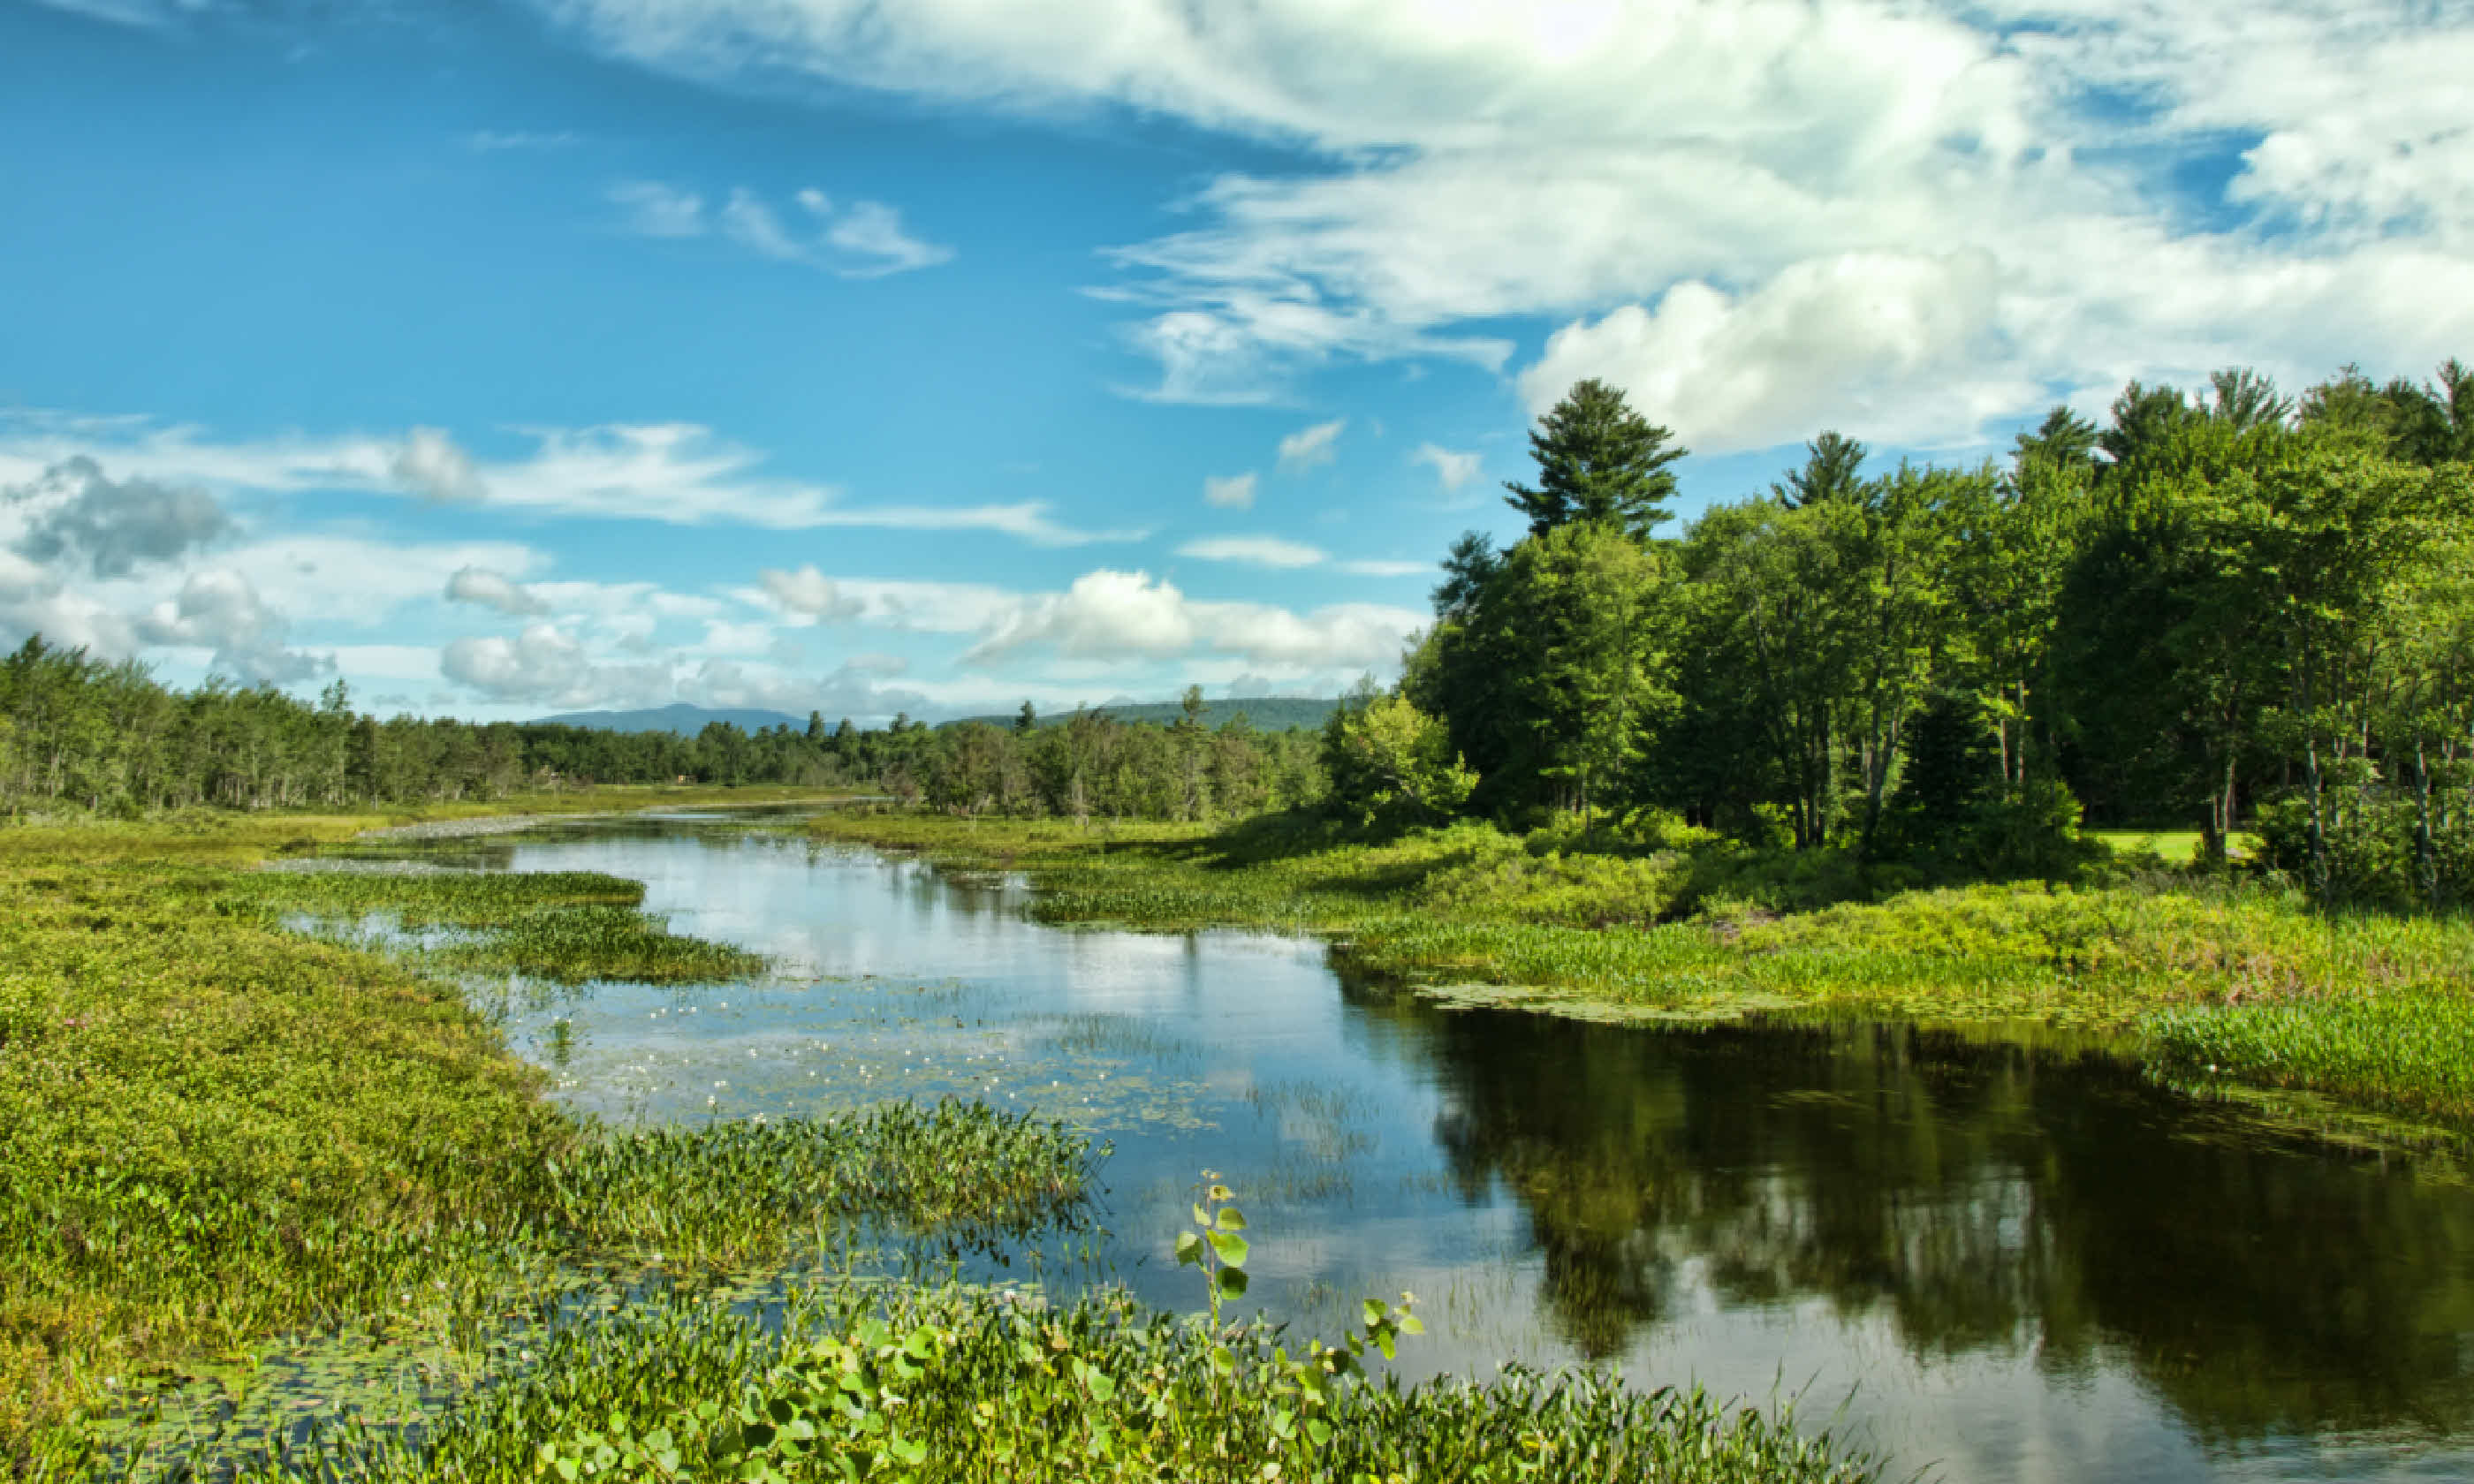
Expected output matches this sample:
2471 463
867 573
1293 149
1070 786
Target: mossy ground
2209 976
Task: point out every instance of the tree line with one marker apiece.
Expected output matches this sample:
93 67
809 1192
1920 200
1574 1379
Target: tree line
2230 611
103 738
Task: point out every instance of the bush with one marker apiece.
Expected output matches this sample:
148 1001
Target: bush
2369 833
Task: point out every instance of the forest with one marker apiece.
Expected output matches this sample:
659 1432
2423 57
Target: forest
2237 612
83 734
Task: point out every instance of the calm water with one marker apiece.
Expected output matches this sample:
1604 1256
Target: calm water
2004 1267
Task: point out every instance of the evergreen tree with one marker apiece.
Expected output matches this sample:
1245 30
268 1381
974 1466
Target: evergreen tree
1598 460
1829 473
1472 563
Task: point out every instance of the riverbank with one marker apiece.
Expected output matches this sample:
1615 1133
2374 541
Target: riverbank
225 1130
2210 981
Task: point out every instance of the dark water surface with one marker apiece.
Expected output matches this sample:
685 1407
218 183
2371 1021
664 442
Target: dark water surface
2003 1265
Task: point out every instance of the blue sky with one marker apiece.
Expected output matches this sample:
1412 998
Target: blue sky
820 353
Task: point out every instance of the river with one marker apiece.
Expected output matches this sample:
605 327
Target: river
1999 1265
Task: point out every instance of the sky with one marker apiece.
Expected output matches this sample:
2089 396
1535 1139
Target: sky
516 358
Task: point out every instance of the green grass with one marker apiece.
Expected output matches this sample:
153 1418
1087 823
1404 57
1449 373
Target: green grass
2373 1009
219 1130
2174 847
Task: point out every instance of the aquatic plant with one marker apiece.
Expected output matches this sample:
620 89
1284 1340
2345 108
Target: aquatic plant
906 1383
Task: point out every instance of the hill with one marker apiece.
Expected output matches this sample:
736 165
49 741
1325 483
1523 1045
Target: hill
684 719
1266 713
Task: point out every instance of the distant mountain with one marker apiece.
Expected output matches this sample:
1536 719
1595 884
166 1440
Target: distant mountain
682 718
1264 713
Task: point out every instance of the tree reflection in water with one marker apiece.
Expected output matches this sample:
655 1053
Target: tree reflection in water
1987 1198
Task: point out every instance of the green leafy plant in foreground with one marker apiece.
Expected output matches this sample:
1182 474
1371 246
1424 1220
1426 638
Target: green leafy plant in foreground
969 1384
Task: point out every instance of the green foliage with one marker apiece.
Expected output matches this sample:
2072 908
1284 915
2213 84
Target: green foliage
969 1385
1388 760
1598 462
1829 472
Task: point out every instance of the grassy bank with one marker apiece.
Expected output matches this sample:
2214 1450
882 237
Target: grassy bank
218 1129
2214 978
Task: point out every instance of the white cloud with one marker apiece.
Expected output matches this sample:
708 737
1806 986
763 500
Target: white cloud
1452 470
429 464
654 209
809 591
220 610
872 236
1500 159
74 510
676 473
1107 614
540 664
1257 550
864 239
1379 568
1907 347
1307 448
490 589
1234 491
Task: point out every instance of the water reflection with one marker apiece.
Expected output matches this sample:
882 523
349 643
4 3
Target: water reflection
2021 1265
1985 1199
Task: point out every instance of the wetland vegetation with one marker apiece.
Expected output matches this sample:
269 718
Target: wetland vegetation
236 1113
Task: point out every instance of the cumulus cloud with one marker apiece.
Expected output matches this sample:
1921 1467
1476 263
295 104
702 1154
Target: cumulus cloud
541 666
1107 614
1255 550
1503 159
431 466
221 610
1234 491
1307 448
1905 345
1452 470
808 592
73 511
490 589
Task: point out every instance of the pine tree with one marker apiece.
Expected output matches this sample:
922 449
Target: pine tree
1829 473
1598 460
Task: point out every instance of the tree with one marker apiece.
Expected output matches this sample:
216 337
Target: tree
1829 473
1387 759
2064 440
1598 460
1472 563
2247 400
1026 719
